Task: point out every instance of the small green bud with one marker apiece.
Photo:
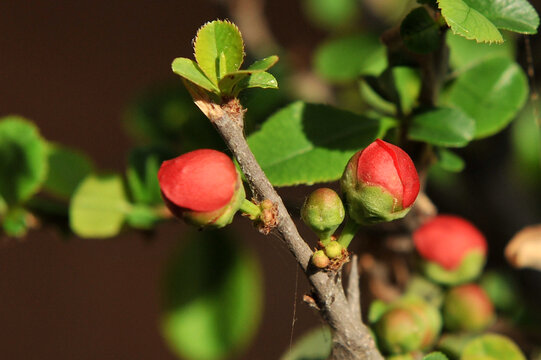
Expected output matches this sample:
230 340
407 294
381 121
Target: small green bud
399 331
320 260
323 212
334 250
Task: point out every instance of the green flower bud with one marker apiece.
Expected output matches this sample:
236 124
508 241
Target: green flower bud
333 250
323 212
399 331
320 260
467 308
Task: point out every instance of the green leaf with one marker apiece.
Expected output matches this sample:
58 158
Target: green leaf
141 175
264 64
15 223
435 356
449 161
407 82
453 344
345 59
467 21
377 309
442 127
219 49
210 314
166 116
526 146
261 79
419 31
23 159
189 70
314 345
67 168
330 14
492 93
143 217
465 53
308 143
481 19
98 207
492 347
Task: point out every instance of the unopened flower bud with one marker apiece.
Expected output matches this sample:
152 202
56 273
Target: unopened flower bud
320 260
380 183
452 249
467 308
333 249
323 212
202 187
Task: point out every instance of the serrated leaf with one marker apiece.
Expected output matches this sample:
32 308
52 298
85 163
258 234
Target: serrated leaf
98 207
345 59
313 345
219 49
308 143
492 347
491 93
465 53
450 161
23 159
67 168
435 356
481 19
419 31
443 127
264 64
466 21
211 314
189 70
261 79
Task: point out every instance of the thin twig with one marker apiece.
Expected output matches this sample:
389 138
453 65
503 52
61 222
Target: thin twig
351 339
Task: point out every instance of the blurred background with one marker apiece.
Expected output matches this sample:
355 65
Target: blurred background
75 68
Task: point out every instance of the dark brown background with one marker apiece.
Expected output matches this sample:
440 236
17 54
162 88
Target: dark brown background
71 66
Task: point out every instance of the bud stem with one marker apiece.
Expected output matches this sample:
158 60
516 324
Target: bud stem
348 233
251 209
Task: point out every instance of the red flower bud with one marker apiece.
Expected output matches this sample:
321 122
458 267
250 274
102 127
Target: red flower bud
447 239
380 183
202 186
467 308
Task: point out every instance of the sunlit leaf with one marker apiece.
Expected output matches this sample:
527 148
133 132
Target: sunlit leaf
314 345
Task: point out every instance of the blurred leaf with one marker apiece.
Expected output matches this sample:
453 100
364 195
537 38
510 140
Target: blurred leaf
345 59
376 311
435 356
492 93
419 31
481 19
524 249
23 159
313 345
425 289
219 49
98 207
167 116
189 70
465 53
308 143
408 85
502 290
331 14
526 141
142 174
453 344
212 297
143 217
492 347
442 127
67 168
450 161
15 222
